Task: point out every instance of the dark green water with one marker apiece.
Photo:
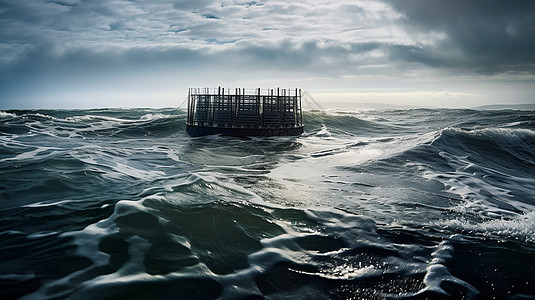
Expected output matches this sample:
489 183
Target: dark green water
381 204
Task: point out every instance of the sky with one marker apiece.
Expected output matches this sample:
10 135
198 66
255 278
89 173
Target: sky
147 53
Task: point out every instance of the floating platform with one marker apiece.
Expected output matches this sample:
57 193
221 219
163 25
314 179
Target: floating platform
241 112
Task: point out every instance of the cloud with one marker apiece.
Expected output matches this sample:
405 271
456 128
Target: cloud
275 29
476 37
487 37
48 43
188 5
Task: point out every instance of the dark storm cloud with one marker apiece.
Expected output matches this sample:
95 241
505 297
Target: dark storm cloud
481 36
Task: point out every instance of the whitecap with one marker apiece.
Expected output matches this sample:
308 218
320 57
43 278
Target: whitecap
7 115
96 117
520 228
350 272
155 116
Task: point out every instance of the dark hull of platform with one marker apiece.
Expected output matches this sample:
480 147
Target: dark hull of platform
194 130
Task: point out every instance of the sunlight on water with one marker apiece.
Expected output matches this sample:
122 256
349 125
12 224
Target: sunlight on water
376 204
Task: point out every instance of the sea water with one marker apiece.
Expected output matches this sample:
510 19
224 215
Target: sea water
366 204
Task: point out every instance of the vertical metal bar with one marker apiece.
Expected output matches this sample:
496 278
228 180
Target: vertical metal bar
278 105
258 107
189 95
271 101
230 106
192 107
194 103
263 116
238 108
237 104
296 108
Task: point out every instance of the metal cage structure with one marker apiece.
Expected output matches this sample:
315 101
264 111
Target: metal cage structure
244 112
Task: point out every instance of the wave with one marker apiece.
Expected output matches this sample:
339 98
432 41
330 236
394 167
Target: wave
93 123
343 124
494 165
394 204
7 115
483 163
501 146
207 238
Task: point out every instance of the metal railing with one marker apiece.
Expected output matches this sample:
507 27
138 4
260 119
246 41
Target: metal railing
250 108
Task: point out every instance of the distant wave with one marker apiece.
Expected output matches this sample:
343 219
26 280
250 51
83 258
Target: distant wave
7 115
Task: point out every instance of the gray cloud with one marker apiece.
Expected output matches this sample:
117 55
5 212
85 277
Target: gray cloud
484 36
191 4
90 39
478 36
64 27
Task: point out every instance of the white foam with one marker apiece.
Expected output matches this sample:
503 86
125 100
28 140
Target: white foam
95 117
156 116
350 272
519 228
6 115
324 132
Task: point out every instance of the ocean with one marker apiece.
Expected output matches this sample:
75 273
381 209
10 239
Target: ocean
366 204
